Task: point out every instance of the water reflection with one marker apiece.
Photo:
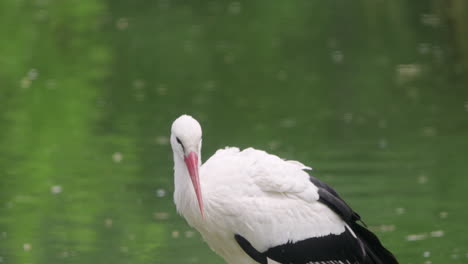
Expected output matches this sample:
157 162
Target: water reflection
371 95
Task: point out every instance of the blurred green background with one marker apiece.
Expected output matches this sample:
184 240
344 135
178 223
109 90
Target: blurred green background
372 94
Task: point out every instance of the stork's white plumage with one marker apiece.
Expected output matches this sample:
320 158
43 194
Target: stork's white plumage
253 207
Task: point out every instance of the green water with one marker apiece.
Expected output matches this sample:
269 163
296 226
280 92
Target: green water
372 94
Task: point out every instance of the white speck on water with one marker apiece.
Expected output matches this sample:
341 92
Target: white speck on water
161 215
273 145
33 74
288 123
422 179
123 249
25 83
387 228
51 84
122 23
455 256
360 120
229 58
428 262
382 124
27 80
195 29
117 157
200 99
189 234
422 236
429 131
400 210
108 222
282 75
416 237
443 214
193 260
424 48
408 72
383 143
426 254
188 46
234 8
337 56
27 247
162 140
209 86
138 84
437 233
348 118
161 89
430 20
160 193
41 15
56 189
175 234
64 254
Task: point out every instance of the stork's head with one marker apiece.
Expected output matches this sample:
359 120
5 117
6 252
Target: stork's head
186 140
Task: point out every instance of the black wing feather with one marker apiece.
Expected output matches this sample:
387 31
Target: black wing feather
332 199
250 250
375 251
326 249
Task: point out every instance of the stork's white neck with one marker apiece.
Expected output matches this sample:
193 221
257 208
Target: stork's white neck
184 194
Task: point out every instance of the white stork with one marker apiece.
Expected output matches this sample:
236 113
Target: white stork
254 207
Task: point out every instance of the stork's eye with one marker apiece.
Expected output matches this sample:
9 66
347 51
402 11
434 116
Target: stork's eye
180 142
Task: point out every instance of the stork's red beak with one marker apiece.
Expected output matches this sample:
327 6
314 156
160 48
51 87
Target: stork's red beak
191 160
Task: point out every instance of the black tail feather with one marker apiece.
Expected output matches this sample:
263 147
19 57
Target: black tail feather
375 251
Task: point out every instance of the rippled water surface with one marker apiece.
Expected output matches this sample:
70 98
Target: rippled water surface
372 94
